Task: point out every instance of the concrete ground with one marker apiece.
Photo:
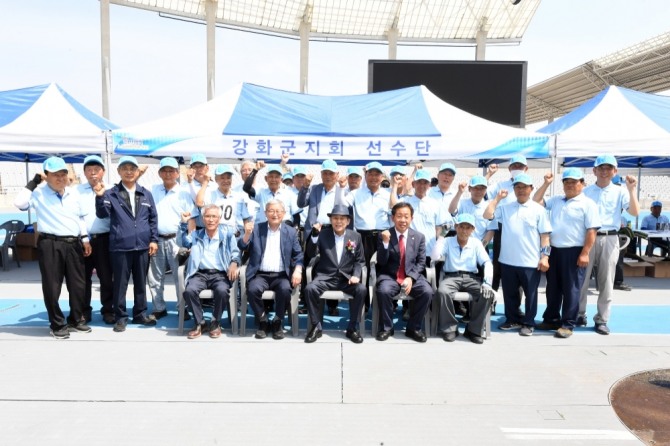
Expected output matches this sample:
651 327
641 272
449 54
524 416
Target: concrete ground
152 386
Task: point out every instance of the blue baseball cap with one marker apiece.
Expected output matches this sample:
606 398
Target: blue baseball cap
287 176
374 165
518 159
397 170
168 161
573 173
656 204
274 168
93 159
465 218
329 165
299 170
422 174
223 168
355 170
523 178
448 166
128 160
616 179
478 180
198 158
53 164
605 159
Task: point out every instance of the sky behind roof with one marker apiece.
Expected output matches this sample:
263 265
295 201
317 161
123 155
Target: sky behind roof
158 65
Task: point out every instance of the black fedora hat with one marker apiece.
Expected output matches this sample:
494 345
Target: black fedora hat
340 209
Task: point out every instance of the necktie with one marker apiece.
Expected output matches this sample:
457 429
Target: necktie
400 277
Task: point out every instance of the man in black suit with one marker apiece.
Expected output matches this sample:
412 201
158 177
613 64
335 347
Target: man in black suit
340 268
401 263
275 257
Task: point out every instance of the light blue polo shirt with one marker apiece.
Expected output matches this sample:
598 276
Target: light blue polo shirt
426 214
466 206
169 206
649 222
233 206
62 216
94 225
371 211
522 226
507 185
611 200
443 200
463 259
283 194
570 219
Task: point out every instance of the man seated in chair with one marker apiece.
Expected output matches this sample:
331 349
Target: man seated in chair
339 268
212 265
401 264
463 255
655 222
275 263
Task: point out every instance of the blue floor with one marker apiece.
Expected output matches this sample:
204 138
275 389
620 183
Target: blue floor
631 319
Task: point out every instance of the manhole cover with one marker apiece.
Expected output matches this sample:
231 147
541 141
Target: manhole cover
642 403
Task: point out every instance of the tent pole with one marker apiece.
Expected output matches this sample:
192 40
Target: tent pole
554 167
30 220
108 158
639 180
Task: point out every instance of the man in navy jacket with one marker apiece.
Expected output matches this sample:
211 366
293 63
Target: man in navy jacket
275 263
133 237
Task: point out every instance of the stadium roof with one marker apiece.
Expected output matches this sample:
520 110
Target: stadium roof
644 67
426 21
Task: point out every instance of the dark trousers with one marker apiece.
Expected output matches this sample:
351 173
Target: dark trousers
388 288
100 261
564 284
217 282
528 279
496 254
277 282
60 260
125 264
323 283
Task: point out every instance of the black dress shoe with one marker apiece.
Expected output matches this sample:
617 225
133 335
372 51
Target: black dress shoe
384 335
148 321
473 337
418 335
450 336
355 336
120 327
313 335
277 330
262 331
159 314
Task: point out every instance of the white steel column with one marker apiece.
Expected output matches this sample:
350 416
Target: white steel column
304 54
392 37
480 50
105 56
210 13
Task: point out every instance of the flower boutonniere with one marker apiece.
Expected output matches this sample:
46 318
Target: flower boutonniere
351 246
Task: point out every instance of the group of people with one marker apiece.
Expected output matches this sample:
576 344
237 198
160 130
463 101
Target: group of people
344 221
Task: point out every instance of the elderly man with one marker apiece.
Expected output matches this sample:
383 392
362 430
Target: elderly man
524 252
442 193
401 264
574 219
212 265
98 232
233 203
171 201
275 264
475 205
62 244
353 180
197 177
274 190
463 256
133 239
655 222
340 268
612 200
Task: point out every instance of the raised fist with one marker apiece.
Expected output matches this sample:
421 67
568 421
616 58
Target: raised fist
260 164
185 216
502 194
386 236
462 186
548 178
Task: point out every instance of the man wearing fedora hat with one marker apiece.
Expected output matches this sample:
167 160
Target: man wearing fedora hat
340 268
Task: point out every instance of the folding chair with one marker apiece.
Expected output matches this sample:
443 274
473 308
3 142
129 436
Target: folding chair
12 228
372 289
267 295
206 294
